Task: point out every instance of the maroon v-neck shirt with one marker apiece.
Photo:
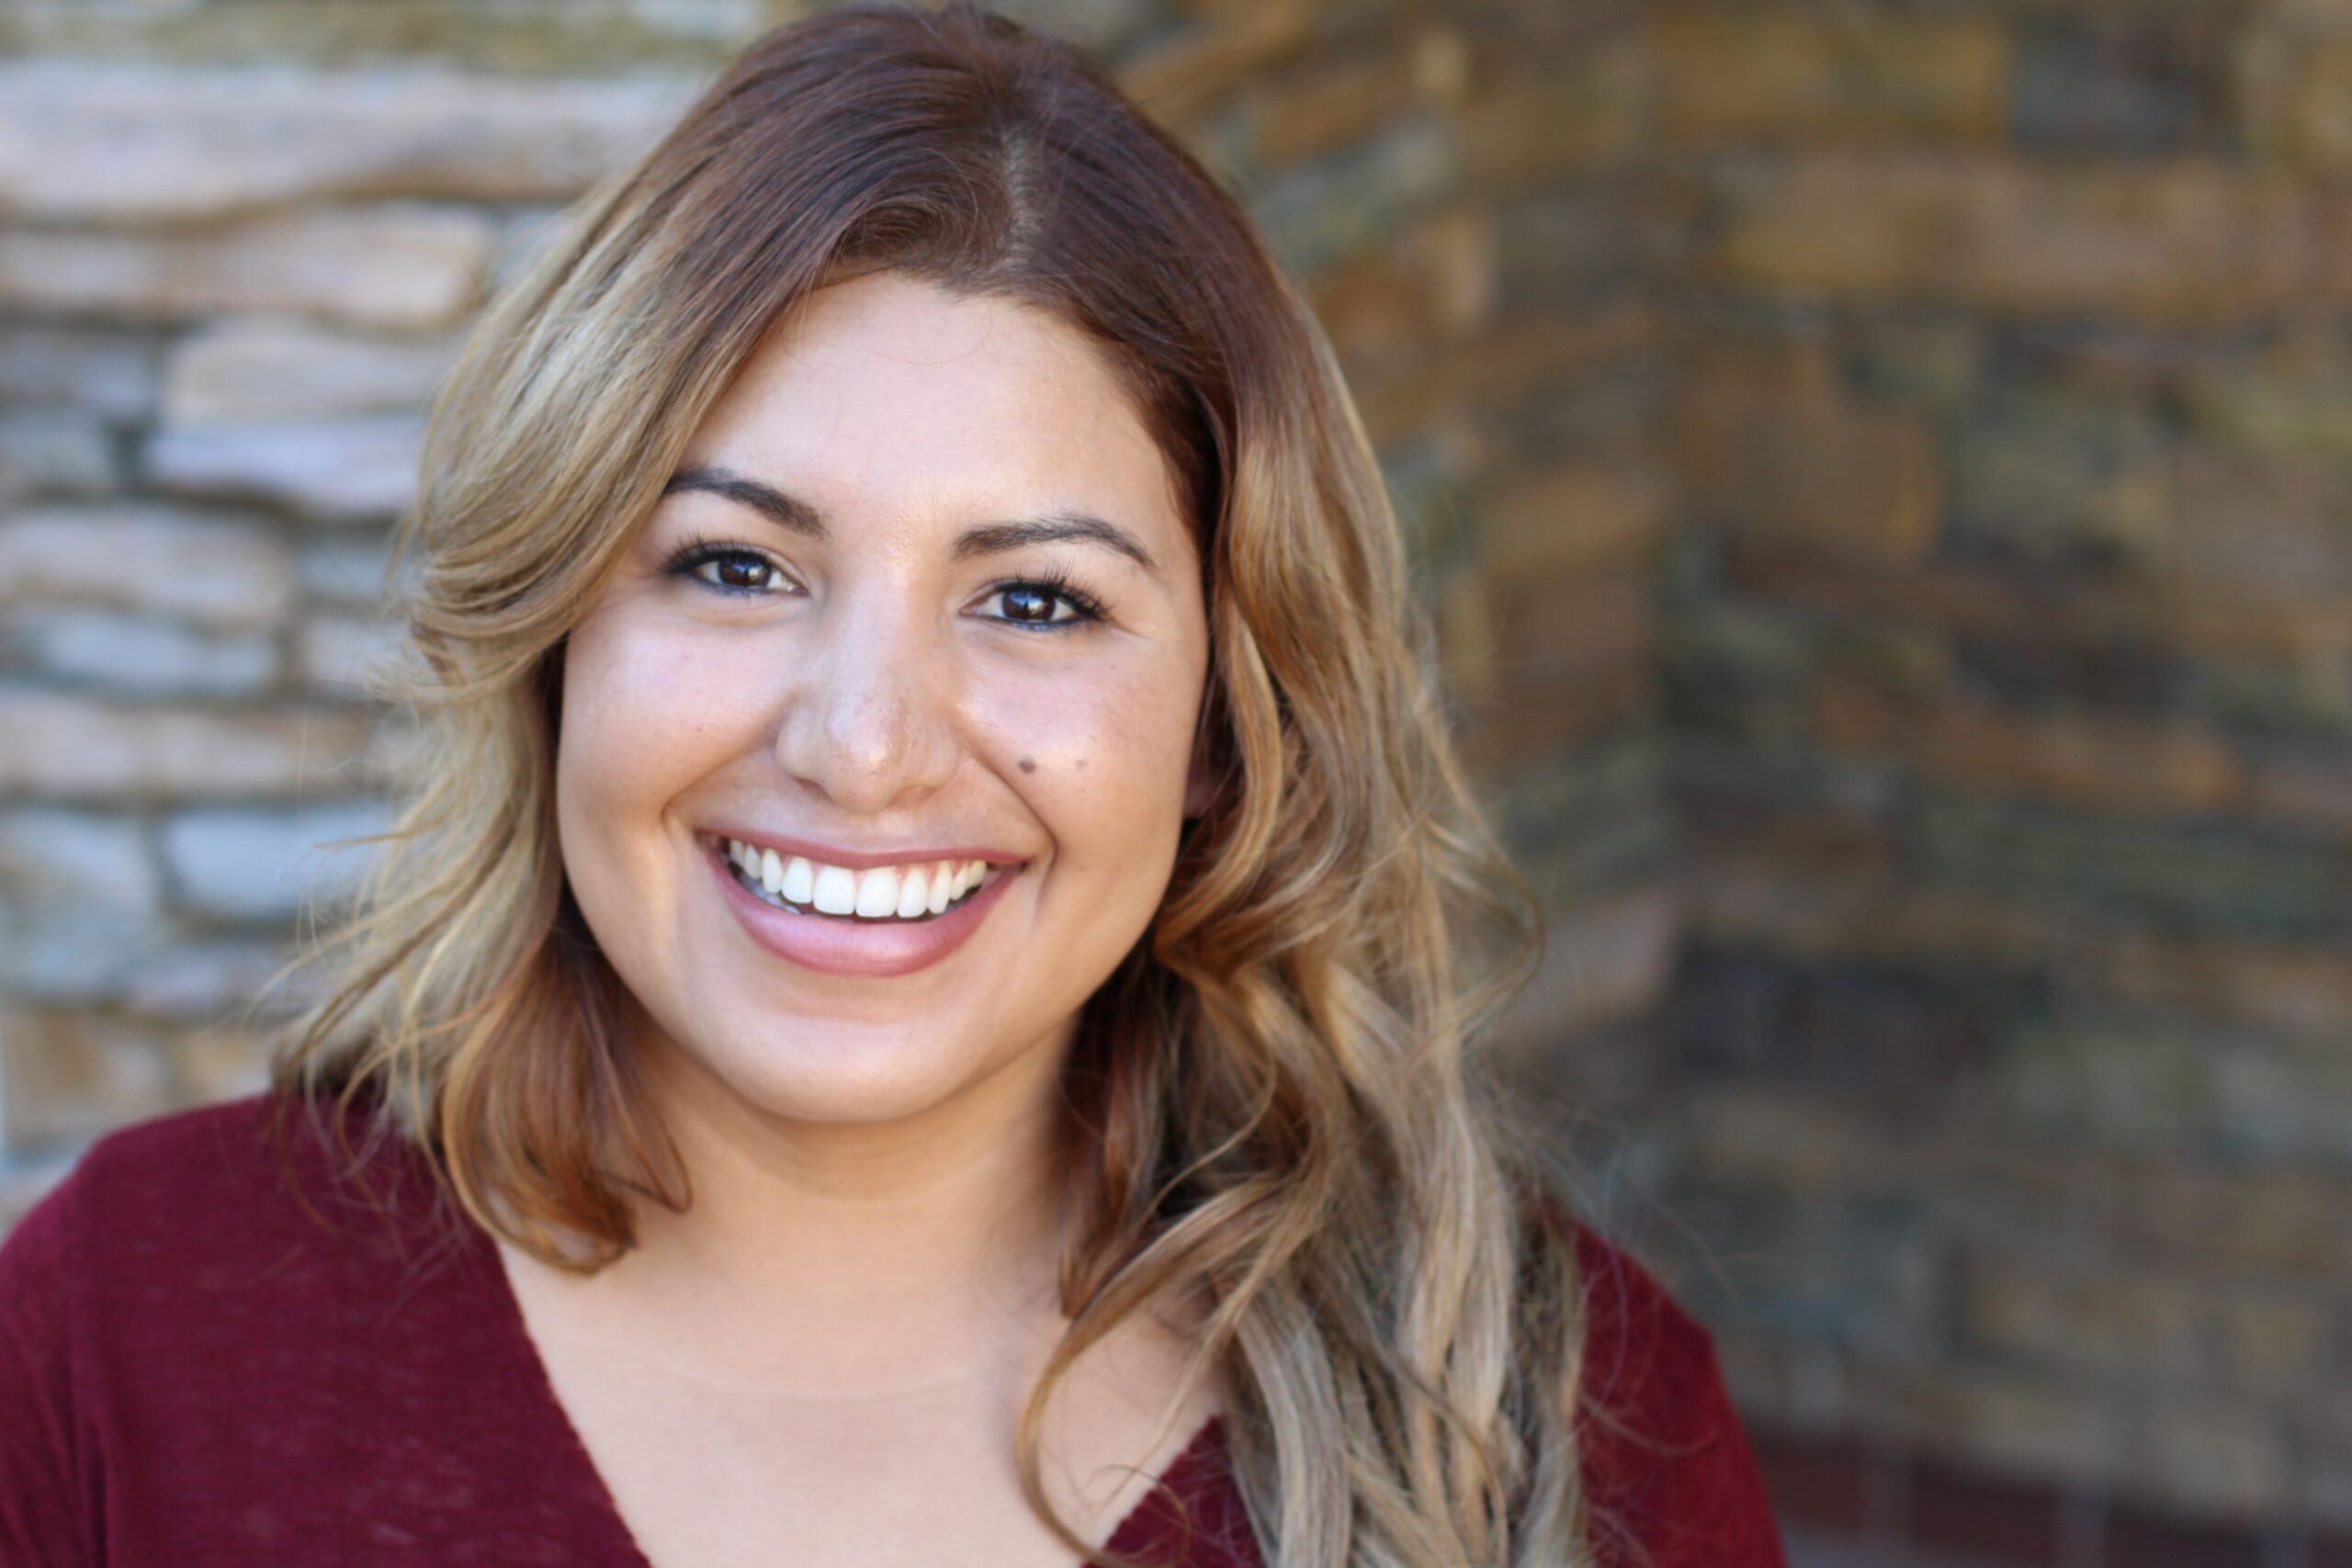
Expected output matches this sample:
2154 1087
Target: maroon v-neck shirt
194 1373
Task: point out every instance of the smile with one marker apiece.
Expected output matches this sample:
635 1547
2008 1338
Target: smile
872 922
914 892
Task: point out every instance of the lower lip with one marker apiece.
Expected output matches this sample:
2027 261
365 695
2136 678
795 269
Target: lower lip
839 945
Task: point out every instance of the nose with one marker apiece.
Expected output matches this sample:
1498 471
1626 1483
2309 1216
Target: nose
869 717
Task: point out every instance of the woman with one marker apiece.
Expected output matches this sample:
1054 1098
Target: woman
923 1007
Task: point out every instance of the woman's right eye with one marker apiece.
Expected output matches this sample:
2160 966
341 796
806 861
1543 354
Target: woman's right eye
728 569
737 571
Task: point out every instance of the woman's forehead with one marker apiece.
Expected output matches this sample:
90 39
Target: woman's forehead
886 390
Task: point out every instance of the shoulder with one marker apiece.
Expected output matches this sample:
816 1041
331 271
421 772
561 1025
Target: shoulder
258 1159
117 1299
181 1158
1669 1477
174 1184
138 1184
160 1221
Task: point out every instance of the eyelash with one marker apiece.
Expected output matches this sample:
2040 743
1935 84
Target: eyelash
697 552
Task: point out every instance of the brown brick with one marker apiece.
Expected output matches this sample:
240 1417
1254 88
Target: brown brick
2182 243
1507 363
1737 75
2065 480
2286 1223
2082 759
1576 521
1764 1134
1179 81
1800 844
2295 92
1392 310
1994 604
1767 437
2262 529
2311 633
2086 1318
1552 120
220 1061
1327 103
1784 908
2290 401
1569 659
73 1076
1464 627
2298 991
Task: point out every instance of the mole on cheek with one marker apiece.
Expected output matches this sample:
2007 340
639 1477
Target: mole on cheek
1028 766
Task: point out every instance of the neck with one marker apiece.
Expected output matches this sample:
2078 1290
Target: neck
828 1261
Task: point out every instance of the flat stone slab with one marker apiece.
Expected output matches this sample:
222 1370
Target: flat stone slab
115 144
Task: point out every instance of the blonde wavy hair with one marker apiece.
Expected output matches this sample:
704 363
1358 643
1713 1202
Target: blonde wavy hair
1274 1101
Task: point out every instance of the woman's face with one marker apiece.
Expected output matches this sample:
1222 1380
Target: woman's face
919 600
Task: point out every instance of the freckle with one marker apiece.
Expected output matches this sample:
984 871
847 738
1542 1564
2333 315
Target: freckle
1029 764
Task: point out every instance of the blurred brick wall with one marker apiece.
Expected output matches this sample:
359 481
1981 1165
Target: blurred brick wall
1876 473
2005 1082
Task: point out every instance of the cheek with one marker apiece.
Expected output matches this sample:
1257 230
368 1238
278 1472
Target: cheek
1100 762
643 718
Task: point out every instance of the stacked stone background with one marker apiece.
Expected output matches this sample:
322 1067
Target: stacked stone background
2008 1054
1878 471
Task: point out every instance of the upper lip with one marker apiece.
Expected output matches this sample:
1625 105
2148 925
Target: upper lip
862 860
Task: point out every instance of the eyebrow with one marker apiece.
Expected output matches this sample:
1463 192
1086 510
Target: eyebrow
992 538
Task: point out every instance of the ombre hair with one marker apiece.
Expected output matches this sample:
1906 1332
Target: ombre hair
1275 1104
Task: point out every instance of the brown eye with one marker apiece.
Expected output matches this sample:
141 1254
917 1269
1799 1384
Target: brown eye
1026 602
1043 604
728 569
739 571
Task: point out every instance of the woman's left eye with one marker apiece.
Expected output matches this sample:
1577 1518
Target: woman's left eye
1043 604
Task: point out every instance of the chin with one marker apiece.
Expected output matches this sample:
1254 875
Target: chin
832 1071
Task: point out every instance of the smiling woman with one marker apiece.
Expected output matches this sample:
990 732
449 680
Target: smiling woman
928 1002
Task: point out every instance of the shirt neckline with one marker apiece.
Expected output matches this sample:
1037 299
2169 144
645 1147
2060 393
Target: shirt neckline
527 1380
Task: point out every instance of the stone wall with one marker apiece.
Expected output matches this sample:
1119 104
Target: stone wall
1875 473
2005 1083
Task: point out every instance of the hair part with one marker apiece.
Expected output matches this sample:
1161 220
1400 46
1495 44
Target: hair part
1276 1102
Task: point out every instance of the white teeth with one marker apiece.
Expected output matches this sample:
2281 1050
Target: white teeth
914 897
878 892
836 891
800 881
887 892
